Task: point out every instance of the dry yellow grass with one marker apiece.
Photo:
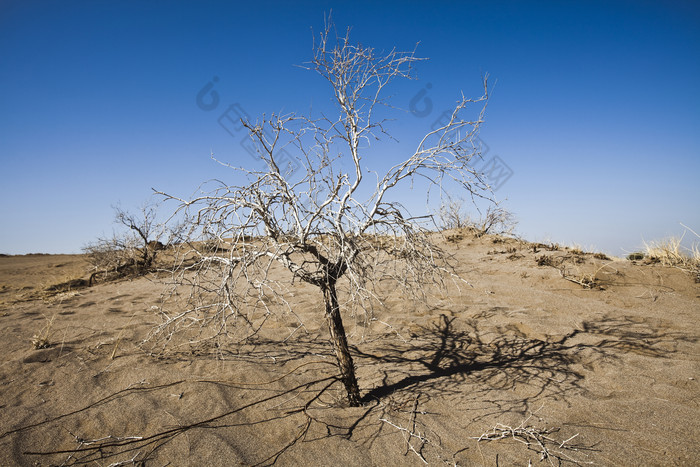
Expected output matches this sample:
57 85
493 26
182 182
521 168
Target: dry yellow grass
671 252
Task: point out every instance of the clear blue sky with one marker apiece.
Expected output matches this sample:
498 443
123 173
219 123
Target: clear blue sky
596 109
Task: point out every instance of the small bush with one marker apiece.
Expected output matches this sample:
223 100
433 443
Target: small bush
496 219
129 252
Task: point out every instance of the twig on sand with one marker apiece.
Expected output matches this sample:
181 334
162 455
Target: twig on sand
537 439
410 433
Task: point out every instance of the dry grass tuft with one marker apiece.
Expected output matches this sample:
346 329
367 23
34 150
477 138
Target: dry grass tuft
576 250
671 252
666 251
41 340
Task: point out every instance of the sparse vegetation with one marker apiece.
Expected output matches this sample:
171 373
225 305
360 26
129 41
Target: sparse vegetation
496 219
309 305
587 280
41 340
670 252
452 215
576 250
537 246
428 373
127 252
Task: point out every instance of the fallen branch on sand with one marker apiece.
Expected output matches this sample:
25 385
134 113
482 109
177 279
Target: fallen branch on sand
535 439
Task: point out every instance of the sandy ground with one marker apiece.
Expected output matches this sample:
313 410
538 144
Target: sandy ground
604 376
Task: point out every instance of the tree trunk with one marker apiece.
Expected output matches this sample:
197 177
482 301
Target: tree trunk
340 345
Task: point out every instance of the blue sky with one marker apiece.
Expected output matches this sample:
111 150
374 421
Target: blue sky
595 108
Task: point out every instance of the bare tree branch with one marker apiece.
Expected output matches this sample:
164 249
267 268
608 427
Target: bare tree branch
324 224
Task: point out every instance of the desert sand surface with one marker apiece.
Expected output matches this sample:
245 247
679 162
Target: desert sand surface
601 374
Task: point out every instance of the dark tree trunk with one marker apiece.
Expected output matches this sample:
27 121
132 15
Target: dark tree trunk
340 344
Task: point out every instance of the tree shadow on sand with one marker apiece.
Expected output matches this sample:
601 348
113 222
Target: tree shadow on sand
451 358
442 358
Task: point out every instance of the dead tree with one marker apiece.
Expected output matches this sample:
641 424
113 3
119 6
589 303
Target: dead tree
126 252
496 219
143 226
325 223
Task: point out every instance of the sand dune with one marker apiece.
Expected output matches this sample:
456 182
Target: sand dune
613 369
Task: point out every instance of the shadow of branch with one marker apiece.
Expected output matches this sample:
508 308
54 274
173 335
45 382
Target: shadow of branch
444 356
